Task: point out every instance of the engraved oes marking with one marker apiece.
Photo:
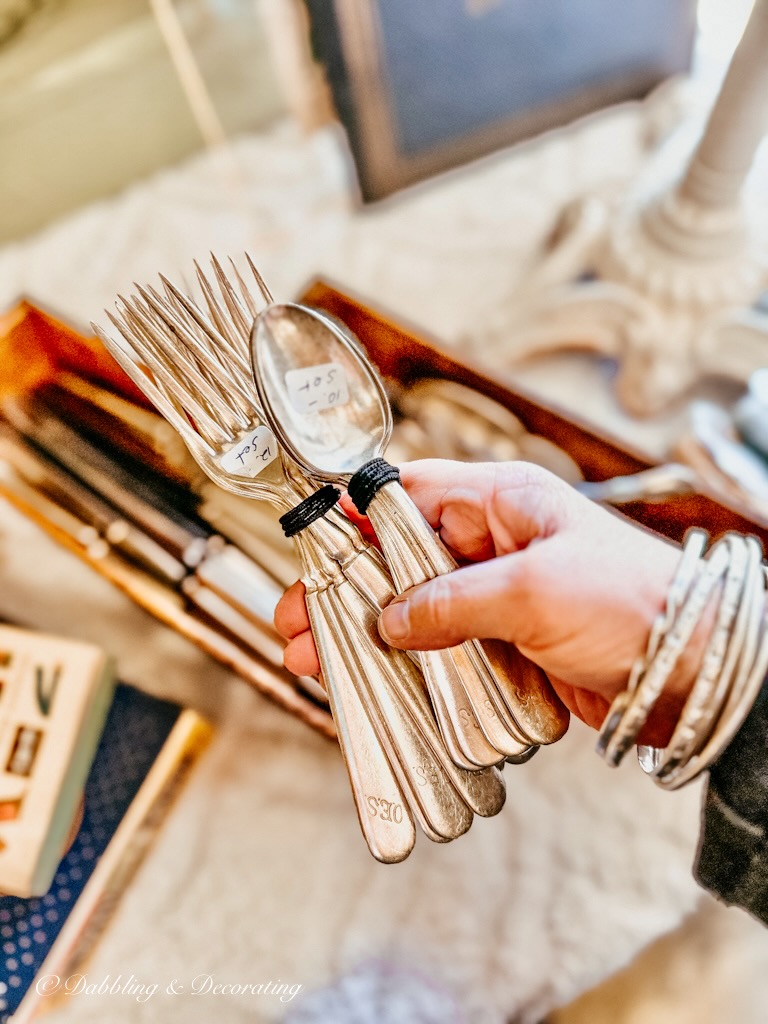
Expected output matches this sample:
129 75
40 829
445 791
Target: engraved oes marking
386 810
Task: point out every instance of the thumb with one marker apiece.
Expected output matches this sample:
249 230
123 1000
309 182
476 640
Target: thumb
486 600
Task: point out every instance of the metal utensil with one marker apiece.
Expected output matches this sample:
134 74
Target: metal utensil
192 368
186 388
659 483
471 744
329 409
234 317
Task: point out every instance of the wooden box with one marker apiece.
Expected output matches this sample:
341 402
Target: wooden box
35 345
407 353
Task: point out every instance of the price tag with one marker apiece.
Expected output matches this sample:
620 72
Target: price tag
251 454
313 388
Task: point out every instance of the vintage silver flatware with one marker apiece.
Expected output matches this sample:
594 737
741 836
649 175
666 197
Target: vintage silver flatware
330 411
191 366
203 399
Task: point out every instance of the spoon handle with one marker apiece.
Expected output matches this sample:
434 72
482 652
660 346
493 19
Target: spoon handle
482 791
463 692
467 742
516 688
392 688
397 695
388 683
389 686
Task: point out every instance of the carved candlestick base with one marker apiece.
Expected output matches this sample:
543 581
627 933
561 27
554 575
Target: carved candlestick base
667 282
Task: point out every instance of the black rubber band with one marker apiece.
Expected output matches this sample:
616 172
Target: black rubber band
307 511
368 480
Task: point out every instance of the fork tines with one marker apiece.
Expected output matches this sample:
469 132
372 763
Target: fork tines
192 359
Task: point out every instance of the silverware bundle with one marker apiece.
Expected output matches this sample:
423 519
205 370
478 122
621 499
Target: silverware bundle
278 402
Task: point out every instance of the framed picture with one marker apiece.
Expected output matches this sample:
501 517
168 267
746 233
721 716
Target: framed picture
423 85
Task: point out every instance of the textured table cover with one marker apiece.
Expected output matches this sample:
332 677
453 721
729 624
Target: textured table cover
260 874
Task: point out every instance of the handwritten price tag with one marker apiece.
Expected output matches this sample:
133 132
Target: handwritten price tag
251 454
313 388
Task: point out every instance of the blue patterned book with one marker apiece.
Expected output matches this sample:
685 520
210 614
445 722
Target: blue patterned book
58 929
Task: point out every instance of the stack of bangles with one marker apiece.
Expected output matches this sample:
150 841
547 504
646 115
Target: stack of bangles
732 668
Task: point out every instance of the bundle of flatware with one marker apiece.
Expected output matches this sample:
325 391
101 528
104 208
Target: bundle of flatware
279 403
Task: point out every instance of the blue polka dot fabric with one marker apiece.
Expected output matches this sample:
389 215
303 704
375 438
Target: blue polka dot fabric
136 728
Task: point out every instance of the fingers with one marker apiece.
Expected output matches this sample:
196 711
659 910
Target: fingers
363 523
291 617
491 599
429 481
300 656
481 510
487 509
292 622
590 707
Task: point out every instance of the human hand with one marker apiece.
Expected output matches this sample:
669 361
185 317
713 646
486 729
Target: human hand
576 588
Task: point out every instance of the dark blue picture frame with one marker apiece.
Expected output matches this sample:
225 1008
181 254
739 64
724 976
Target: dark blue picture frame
423 85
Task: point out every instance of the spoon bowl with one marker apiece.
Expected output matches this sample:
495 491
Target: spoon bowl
327 404
319 392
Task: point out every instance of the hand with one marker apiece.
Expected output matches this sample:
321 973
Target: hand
576 588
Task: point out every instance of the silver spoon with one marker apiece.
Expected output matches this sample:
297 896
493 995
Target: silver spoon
329 409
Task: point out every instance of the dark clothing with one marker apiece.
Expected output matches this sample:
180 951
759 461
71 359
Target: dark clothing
732 860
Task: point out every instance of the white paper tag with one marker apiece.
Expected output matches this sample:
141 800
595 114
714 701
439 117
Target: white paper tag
313 388
251 454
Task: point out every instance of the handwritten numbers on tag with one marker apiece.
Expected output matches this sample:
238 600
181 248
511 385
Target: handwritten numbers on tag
313 388
251 454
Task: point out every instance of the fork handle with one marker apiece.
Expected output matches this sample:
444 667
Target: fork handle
416 554
405 695
387 682
392 689
444 671
385 818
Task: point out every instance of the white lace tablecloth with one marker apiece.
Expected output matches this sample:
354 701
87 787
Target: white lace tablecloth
260 874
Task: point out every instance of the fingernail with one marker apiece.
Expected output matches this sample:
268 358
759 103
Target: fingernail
393 621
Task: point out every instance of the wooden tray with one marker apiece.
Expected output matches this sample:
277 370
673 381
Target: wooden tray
407 353
35 345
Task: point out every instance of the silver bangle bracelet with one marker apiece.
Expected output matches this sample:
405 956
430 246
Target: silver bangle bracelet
690 732
732 668
635 710
693 548
749 679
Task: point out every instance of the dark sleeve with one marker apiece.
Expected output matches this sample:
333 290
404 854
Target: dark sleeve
732 861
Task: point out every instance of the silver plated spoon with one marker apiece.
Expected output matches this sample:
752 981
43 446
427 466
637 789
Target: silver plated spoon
328 408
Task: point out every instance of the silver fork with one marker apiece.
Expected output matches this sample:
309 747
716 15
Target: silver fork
193 370
233 315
